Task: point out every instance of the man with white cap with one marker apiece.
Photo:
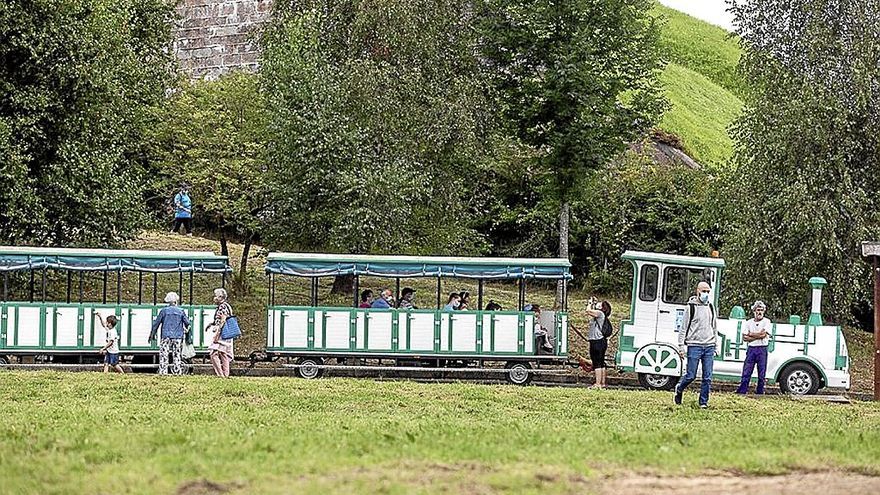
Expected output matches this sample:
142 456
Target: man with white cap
756 334
174 322
696 342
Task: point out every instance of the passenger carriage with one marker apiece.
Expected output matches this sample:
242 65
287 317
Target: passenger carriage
49 300
314 334
802 358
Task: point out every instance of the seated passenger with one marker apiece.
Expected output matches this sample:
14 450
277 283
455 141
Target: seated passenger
542 337
366 299
406 298
464 302
493 306
453 302
385 301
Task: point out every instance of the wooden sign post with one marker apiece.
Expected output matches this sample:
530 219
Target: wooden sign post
872 250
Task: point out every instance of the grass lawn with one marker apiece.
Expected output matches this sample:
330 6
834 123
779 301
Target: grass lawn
88 432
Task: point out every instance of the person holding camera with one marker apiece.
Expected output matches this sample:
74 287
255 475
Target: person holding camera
599 312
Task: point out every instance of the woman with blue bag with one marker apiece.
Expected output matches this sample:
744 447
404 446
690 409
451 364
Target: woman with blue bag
226 330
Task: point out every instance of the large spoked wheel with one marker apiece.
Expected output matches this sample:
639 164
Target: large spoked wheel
4 360
651 381
518 373
799 379
308 368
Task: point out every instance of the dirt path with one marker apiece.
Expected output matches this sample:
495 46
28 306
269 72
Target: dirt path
826 483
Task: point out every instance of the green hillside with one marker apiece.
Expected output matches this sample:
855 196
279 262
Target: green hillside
702 85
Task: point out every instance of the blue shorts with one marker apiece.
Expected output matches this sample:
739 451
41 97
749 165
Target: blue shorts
111 359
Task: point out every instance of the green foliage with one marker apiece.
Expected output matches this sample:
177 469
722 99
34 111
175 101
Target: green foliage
577 79
803 195
377 115
640 205
63 433
700 113
701 47
76 83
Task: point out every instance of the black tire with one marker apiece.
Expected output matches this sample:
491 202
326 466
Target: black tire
518 372
657 382
309 368
799 379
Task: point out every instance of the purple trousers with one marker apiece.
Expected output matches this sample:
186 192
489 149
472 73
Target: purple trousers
754 355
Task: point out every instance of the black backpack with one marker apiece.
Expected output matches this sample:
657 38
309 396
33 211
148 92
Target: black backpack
607 329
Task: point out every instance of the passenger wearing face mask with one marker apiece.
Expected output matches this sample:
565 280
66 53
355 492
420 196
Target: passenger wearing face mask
696 342
385 301
453 302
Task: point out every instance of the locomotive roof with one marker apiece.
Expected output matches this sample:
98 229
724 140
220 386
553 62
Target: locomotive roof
674 259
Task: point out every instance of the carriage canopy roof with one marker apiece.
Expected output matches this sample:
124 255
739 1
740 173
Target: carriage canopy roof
36 258
324 265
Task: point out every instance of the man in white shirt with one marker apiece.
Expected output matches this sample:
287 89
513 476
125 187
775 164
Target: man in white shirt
756 333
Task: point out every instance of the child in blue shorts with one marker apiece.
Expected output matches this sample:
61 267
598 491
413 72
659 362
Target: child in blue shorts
111 348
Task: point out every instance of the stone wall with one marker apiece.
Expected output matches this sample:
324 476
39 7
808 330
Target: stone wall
213 37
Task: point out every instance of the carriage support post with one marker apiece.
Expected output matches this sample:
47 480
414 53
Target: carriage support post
480 294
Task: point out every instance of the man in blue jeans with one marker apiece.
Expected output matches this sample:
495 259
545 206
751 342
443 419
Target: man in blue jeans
696 340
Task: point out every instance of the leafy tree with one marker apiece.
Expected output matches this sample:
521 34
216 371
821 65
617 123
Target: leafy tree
803 193
576 80
213 137
377 117
639 204
77 80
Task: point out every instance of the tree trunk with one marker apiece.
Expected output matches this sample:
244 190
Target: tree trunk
224 248
343 284
564 215
242 270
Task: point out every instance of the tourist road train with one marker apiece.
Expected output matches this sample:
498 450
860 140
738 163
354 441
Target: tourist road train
50 297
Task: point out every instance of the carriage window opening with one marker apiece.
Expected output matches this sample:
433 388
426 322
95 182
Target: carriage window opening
679 283
649 277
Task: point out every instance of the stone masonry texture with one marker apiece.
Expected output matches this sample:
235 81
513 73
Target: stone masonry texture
213 37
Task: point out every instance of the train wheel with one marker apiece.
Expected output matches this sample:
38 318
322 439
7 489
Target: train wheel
309 368
657 382
518 373
799 379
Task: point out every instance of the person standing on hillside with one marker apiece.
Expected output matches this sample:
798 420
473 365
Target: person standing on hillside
182 210
696 341
757 336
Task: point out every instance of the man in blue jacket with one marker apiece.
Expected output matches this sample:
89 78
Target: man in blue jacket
174 323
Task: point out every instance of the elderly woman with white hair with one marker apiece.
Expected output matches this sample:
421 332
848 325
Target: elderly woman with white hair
221 349
174 322
756 334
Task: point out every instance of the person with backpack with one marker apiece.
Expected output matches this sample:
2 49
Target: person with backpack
600 330
696 342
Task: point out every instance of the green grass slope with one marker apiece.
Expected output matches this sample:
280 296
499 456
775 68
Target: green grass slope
700 114
702 85
86 432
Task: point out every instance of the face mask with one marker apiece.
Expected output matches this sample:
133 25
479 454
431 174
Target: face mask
704 297
456 304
